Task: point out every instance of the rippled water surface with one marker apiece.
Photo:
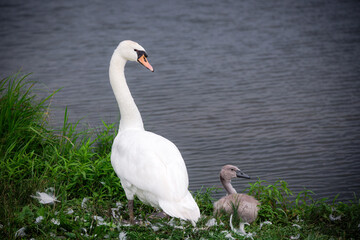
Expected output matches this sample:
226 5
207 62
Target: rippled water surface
270 86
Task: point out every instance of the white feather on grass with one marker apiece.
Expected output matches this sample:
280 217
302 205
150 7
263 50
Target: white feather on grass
241 230
122 236
228 235
296 225
83 203
298 235
173 224
211 222
117 209
46 198
295 237
55 221
70 211
155 228
332 217
100 221
20 232
263 223
39 219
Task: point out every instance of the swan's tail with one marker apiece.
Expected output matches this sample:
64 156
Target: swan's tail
185 209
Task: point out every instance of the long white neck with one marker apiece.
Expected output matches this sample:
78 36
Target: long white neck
227 185
130 115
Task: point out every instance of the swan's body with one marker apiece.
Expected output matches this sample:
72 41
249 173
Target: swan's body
148 165
247 207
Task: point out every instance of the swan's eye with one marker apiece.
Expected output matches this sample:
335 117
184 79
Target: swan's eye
141 53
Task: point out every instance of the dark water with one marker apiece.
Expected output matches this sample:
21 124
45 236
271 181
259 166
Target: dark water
270 86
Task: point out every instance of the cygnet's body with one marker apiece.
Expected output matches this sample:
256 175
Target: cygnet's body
247 207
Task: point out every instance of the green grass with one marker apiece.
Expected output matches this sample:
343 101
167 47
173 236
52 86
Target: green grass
76 164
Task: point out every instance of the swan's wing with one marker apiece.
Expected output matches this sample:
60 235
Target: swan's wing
150 163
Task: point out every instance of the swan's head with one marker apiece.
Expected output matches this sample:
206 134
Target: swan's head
229 171
133 51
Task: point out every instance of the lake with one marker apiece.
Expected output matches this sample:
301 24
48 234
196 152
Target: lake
270 86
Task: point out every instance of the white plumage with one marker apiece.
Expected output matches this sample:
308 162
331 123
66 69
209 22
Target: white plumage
47 197
148 165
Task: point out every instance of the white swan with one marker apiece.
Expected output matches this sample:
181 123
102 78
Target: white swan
148 165
247 207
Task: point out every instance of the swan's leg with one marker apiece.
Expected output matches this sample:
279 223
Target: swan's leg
131 211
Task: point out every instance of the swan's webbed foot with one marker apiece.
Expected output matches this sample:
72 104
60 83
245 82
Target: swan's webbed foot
158 215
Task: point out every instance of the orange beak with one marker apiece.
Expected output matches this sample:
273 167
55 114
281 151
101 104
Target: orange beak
145 62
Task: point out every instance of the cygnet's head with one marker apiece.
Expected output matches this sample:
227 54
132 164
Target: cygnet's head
229 171
132 51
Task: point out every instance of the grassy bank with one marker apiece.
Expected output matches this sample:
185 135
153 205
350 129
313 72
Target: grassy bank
75 167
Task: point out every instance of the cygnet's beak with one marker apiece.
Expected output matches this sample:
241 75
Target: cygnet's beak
143 61
241 174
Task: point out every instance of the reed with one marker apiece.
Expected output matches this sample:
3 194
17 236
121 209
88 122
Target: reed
74 166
